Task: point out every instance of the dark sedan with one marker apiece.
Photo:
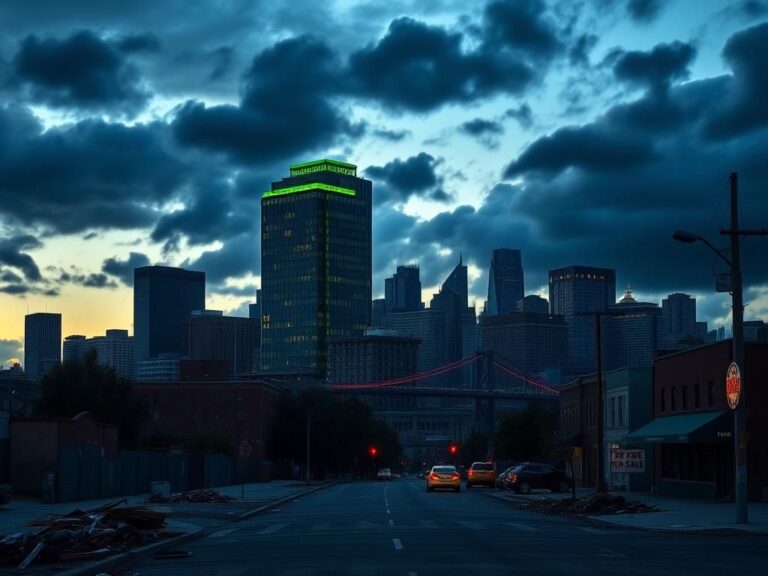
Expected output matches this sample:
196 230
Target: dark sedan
530 476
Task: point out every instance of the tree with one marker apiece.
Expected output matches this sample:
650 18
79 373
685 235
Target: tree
474 449
527 434
74 387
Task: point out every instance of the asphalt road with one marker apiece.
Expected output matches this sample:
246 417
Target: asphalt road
399 528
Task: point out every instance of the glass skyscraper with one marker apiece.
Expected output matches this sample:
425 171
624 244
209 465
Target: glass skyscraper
315 264
402 292
577 290
505 282
42 343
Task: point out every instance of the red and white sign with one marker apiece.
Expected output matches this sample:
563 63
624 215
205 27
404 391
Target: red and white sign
733 385
627 460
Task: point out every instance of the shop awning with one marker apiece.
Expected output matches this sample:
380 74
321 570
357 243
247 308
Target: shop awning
697 428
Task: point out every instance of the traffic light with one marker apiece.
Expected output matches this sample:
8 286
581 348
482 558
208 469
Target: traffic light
373 451
453 449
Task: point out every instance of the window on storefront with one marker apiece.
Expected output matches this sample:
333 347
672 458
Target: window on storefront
696 395
673 399
685 397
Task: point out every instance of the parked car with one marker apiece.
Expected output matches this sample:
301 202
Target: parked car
444 476
481 473
533 475
502 478
384 474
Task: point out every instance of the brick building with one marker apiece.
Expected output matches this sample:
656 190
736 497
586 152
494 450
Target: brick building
377 356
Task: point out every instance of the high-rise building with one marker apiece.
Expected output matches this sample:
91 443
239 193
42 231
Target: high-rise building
402 292
315 264
533 303
678 313
42 343
427 326
453 300
505 281
114 349
532 342
377 356
163 298
576 290
213 336
631 334
378 311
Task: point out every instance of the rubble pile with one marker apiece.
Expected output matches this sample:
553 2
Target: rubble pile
194 497
593 505
84 534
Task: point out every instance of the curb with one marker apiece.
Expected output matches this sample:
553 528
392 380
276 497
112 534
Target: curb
111 561
605 523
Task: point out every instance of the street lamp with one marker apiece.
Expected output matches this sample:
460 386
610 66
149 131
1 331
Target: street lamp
737 304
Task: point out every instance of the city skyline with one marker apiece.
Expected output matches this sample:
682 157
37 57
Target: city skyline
518 164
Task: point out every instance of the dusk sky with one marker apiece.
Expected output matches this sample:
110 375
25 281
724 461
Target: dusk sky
581 132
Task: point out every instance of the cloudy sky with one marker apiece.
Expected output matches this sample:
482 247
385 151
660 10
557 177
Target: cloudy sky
582 132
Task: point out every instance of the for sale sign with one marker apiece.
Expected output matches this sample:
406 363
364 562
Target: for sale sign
627 460
733 385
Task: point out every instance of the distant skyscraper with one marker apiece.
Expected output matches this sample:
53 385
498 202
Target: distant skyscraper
213 336
575 290
74 348
402 292
505 281
163 298
632 334
533 303
42 343
114 350
678 312
315 264
453 300
378 311
428 326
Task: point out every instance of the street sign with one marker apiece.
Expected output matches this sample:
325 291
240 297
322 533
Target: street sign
733 385
627 460
723 282
245 448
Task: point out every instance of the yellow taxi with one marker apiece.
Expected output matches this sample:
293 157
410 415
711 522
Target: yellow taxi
481 473
444 476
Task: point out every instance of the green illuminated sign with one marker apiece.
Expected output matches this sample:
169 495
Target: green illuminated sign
324 166
307 187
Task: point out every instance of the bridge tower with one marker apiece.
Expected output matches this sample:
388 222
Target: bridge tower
485 405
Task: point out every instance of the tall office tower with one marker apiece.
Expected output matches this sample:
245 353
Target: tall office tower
378 311
315 264
114 350
428 326
577 290
631 335
402 292
163 298
75 347
505 281
42 343
452 300
678 313
534 343
213 336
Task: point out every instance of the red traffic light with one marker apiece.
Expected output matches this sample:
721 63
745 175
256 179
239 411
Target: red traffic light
373 450
453 449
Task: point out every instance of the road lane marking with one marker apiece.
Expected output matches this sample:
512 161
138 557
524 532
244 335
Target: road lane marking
522 527
271 529
398 545
222 533
471 524
391 522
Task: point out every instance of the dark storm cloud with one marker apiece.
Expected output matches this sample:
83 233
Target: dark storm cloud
145 42
15 289
10 348
82 72
89 175
644 10
223 61
238 257
93 280
521 26
12 253
481 127
391 135
123 269
753 8
662 65
418 67
282 113
578 51
10 277
398 180
91 236
522 114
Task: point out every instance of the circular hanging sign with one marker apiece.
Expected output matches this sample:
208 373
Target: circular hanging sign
733 385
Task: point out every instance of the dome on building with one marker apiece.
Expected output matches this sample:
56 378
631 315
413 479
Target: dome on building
628 298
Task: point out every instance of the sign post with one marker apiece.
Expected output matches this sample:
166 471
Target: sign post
245 453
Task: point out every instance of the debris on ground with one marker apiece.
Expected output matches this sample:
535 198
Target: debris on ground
194 497
83 535
598 504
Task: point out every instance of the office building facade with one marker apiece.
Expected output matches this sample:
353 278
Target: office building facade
632 334
505 282
402 292
577 290
533 303
163 298
427 326
377 356
315 264
678 314
42 343
114 350
213 336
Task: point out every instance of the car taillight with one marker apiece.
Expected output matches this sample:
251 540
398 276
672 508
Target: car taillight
455 475
513 476
471 472
434 476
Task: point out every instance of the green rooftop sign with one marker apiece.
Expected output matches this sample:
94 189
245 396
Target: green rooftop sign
324 166
307 188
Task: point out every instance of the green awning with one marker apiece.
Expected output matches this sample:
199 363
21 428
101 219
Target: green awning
696 428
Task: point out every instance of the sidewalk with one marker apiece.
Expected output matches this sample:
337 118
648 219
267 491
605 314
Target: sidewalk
190 520
674 514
